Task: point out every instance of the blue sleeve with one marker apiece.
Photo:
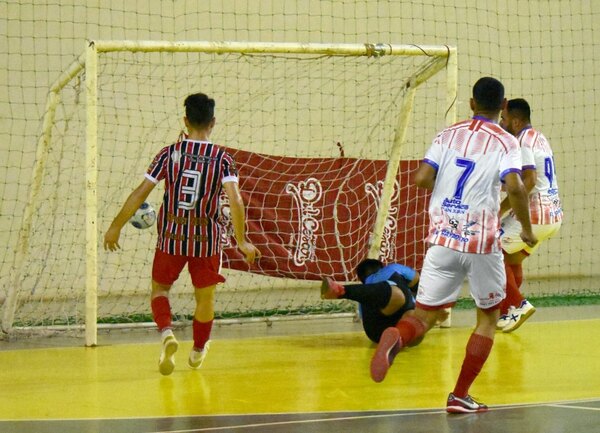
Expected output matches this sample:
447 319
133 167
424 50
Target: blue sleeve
385 273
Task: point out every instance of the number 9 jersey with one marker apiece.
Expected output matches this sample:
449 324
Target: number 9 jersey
194 172
544 201
471 159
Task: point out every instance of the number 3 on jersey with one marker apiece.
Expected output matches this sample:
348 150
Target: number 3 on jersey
469 166
190 189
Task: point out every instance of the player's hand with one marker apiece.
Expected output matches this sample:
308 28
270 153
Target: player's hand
111 239
250 252
529 238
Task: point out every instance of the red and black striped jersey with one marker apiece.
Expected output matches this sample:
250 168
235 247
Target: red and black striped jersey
194 172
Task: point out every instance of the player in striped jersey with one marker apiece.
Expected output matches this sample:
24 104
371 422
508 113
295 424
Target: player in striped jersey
539 177
195 172
464 167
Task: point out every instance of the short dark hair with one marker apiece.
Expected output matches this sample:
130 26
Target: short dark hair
368 267
488 93
199 109
519 108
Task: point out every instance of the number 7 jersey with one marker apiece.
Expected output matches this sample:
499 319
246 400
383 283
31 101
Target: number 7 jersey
194 172
471 159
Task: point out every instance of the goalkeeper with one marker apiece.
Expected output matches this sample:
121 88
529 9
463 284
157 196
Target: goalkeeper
386 295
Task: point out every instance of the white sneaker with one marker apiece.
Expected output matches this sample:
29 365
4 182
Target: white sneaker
519 316
505 318
166 362
196 358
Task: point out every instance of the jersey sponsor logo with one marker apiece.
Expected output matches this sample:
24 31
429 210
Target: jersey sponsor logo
181 237
199 159
454 205
194 221
467 231
449 234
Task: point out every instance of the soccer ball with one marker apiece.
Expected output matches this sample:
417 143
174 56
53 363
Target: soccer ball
144 217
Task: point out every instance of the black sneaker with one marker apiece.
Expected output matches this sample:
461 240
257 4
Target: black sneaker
464 405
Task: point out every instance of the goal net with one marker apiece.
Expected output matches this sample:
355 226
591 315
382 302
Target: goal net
324 136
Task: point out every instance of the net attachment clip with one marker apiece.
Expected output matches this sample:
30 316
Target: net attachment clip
376 50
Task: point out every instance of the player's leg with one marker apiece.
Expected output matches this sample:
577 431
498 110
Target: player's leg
165 271
437 276
513 265
205 276
515 252
487 281
409 331
477 351
515 309
383 296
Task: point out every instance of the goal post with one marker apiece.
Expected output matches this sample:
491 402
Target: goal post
321 120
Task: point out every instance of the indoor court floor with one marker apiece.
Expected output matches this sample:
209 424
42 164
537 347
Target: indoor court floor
305 376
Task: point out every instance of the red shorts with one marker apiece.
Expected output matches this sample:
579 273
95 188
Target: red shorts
204 270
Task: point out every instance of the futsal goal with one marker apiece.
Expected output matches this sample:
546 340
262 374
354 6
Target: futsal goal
324 135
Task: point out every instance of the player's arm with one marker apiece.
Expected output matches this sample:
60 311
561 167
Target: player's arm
238 220
133 202
425 175
520 205
529 178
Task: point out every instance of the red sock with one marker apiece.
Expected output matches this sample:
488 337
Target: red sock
509 288
201 332
513 295
518 273
478 350
410 329
161 311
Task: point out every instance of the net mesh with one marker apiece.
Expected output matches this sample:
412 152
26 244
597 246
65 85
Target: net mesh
311 136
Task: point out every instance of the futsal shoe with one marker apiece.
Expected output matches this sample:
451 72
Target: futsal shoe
330 289
387 349
505 318
464 405
519 316
197 357
166 362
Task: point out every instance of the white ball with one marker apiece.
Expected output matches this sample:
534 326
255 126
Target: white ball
144 217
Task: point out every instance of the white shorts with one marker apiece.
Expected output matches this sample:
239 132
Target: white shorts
510 235
445 270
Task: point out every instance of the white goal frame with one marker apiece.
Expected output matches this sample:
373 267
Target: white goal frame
440 57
